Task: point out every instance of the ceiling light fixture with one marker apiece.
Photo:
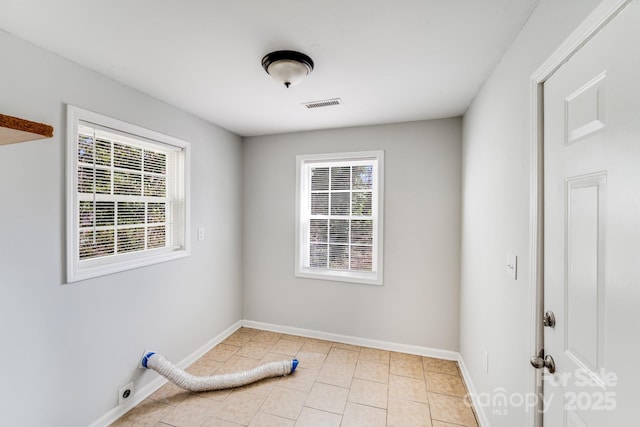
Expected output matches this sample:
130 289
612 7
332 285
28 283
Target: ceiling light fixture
287 66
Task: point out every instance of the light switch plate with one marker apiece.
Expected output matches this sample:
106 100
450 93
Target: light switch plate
512 266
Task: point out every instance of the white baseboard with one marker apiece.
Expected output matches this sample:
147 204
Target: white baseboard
364 342
483 421
146 391
382 345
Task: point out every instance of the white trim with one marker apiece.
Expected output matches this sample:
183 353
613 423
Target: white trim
483 421
481 415
596 20
348 339
601 15
81 270
146 391
535 238
375 277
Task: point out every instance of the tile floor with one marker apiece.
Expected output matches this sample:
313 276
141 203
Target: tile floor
335 385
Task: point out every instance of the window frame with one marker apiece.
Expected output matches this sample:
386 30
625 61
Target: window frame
77 269
304 163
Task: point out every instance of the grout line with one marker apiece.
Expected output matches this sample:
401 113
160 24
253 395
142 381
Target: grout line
332 344
147 390
355 341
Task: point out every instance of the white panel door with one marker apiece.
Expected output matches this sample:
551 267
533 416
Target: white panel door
592 230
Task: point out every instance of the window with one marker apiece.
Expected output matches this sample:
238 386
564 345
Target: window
127 196
339 217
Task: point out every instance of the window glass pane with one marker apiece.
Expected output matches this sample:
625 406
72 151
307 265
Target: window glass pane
361 258
103 152
362 232
86 214
362 177
318 230
340 203
339 231
155 162
341 178
361 205
339 257
320 204
130 239
127 183
101 246
130 213
85 180
319 179
103 181
155 186
85 149
127 157
318 256
156 237
156 212
104 214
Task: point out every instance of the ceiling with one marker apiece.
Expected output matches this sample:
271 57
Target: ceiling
389 61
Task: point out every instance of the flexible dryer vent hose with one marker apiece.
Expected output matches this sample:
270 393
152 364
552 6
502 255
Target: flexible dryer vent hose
190 382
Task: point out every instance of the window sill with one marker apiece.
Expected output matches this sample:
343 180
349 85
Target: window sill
363 278
99 267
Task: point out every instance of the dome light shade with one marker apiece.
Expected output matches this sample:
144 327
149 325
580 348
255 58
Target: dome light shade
287 66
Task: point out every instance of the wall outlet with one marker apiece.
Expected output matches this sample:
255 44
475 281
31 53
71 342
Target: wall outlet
200 234
125 393
486 361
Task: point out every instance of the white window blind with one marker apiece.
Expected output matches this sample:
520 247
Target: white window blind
127 204
339 219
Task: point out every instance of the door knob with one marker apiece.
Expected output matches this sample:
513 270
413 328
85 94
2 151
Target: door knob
540 362
550 319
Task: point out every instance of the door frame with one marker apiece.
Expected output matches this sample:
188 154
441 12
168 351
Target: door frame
597 19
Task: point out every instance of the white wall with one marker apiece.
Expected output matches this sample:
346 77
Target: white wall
495 310
66 349
418 304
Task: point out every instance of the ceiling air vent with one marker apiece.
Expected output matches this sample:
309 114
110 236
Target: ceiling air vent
323 103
